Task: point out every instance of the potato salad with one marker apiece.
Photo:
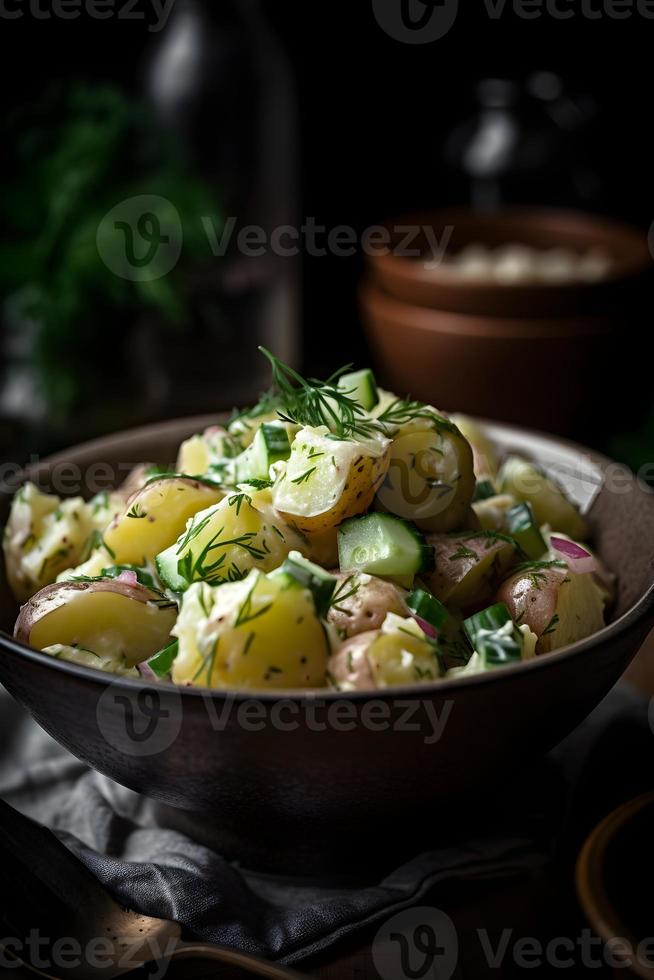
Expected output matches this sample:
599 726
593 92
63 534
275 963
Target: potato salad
334 535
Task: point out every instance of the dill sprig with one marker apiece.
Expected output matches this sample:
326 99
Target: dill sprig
312 402
404 410
343 593
308 401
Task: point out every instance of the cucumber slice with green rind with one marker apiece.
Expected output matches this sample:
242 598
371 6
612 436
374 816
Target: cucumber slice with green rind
494 636
483 490
362 387
319 582
162 662
523 527
168 569
382 544
428 607
269 445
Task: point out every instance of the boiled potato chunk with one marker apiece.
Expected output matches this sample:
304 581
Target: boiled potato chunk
550 504
430 477
202 451
259 633
223 542
558 605
327 480
154 518
483 451
397 653
43 536
468 567
86 658
361 603
491 512
126 623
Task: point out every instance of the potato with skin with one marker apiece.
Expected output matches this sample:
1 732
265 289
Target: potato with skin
361 602
430 478
468 567
558 605
327 480
259 633
114 619
397 653
43 536
349 668
153 518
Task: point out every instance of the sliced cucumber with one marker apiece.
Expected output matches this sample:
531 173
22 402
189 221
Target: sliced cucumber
168 569
428 607
362 387
383 544
162 662
494 636
269 445
319 582
483 490
523 528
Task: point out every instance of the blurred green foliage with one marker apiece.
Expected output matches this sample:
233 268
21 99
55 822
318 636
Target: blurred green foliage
73 156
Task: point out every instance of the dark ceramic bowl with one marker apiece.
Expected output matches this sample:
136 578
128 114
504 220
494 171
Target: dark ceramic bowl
274 775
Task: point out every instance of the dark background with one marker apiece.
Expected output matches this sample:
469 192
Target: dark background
373 115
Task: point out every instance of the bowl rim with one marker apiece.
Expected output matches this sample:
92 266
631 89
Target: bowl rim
641 611
589 879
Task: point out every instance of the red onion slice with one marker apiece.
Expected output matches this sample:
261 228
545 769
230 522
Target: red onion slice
130 578
426 627
146 672
578 559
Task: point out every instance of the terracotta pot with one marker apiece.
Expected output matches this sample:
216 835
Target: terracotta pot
543 369
437 286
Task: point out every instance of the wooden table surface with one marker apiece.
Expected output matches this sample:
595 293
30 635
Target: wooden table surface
519 906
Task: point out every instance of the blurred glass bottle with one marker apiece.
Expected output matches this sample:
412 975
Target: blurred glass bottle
219 79
526 142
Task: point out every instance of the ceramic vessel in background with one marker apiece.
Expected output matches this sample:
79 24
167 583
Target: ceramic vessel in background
614 880
544 354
